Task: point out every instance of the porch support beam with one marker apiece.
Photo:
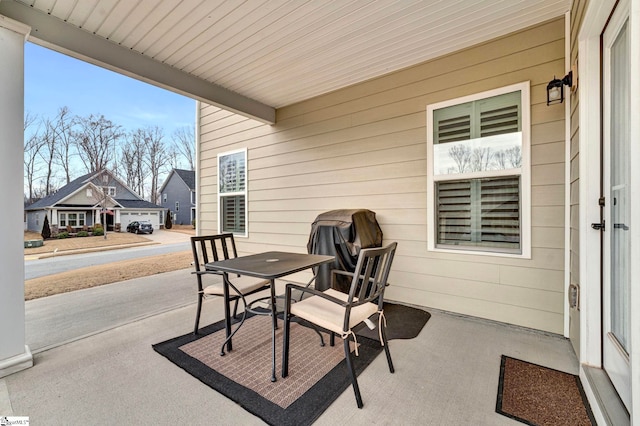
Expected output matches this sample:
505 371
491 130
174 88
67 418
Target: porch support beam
14 353
58 35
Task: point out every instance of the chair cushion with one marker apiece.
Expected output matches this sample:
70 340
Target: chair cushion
243 283
329 315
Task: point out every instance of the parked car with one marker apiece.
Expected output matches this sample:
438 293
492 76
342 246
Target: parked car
140 227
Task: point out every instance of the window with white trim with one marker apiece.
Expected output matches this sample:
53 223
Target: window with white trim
71 219
232 192
478 172
110 190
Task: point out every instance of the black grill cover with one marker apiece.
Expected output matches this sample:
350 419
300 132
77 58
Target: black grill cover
342 233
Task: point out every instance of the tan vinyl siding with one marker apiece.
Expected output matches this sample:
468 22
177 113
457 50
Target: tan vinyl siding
80 198
365 147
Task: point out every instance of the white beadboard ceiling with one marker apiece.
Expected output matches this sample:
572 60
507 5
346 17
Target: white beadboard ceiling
271 53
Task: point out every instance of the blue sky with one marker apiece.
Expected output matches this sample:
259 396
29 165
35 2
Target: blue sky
54 80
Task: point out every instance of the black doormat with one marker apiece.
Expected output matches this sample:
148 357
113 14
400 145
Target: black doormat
537 395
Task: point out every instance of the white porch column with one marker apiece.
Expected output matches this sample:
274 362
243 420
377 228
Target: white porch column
14 353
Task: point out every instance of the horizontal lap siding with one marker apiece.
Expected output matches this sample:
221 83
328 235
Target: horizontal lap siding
365 147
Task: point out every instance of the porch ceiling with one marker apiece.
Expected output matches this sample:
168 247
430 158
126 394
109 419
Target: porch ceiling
258 55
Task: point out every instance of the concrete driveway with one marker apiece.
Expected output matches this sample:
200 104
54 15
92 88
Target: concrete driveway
163 236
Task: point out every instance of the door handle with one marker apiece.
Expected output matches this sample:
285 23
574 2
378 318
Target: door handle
598 226
621 226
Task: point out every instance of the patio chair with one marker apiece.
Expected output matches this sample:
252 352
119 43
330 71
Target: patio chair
211 248
340 313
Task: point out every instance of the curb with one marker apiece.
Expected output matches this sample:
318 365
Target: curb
87 250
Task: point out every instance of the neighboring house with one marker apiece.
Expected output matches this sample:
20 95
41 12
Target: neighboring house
90 199
178 194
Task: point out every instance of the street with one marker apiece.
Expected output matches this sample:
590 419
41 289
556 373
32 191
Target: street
53 265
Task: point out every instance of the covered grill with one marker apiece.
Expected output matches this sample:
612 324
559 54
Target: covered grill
342 233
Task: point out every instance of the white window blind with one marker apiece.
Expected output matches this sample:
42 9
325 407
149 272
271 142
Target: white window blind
479 212
476 175
232 192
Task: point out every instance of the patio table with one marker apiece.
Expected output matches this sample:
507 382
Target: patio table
269 266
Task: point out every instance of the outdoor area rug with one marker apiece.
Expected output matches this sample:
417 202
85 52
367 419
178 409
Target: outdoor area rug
537 395
403 322
317 375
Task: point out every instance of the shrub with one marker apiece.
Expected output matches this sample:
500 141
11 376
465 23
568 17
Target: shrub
46 229
82 234
167 220
98 230
63 235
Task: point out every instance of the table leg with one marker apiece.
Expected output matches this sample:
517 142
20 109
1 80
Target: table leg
274 323
227 313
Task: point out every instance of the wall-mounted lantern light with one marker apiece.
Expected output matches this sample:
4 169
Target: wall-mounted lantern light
555 89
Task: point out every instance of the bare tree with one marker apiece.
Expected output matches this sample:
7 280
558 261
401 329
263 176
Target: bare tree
172 152
63 128
29 120
132 163
461 154
481 159
500 159
184 141
514 156
157 158
32 146
47 152
96 140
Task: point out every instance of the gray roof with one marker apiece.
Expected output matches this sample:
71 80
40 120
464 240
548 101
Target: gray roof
137 204
61 193
188 176
78 183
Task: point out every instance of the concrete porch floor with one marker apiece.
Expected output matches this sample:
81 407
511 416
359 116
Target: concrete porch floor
448 375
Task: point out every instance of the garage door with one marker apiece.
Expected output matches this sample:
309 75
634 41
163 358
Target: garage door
127 217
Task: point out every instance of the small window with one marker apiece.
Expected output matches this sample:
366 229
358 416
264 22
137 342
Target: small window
177 205
232 192
164 197
478 189
89 193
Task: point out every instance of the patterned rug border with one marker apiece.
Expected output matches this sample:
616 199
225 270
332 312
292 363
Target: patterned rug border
304 411
525 421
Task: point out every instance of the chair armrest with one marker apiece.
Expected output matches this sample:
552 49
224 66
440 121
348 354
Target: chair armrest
313 291
340 272
207 272
346 273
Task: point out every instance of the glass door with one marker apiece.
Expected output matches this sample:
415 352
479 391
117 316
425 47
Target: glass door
617 193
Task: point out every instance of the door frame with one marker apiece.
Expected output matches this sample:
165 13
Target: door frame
589 74
615 363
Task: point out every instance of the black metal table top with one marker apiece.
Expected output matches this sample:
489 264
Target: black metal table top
269 265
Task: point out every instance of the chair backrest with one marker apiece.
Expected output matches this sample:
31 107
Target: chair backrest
211 248
371 274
